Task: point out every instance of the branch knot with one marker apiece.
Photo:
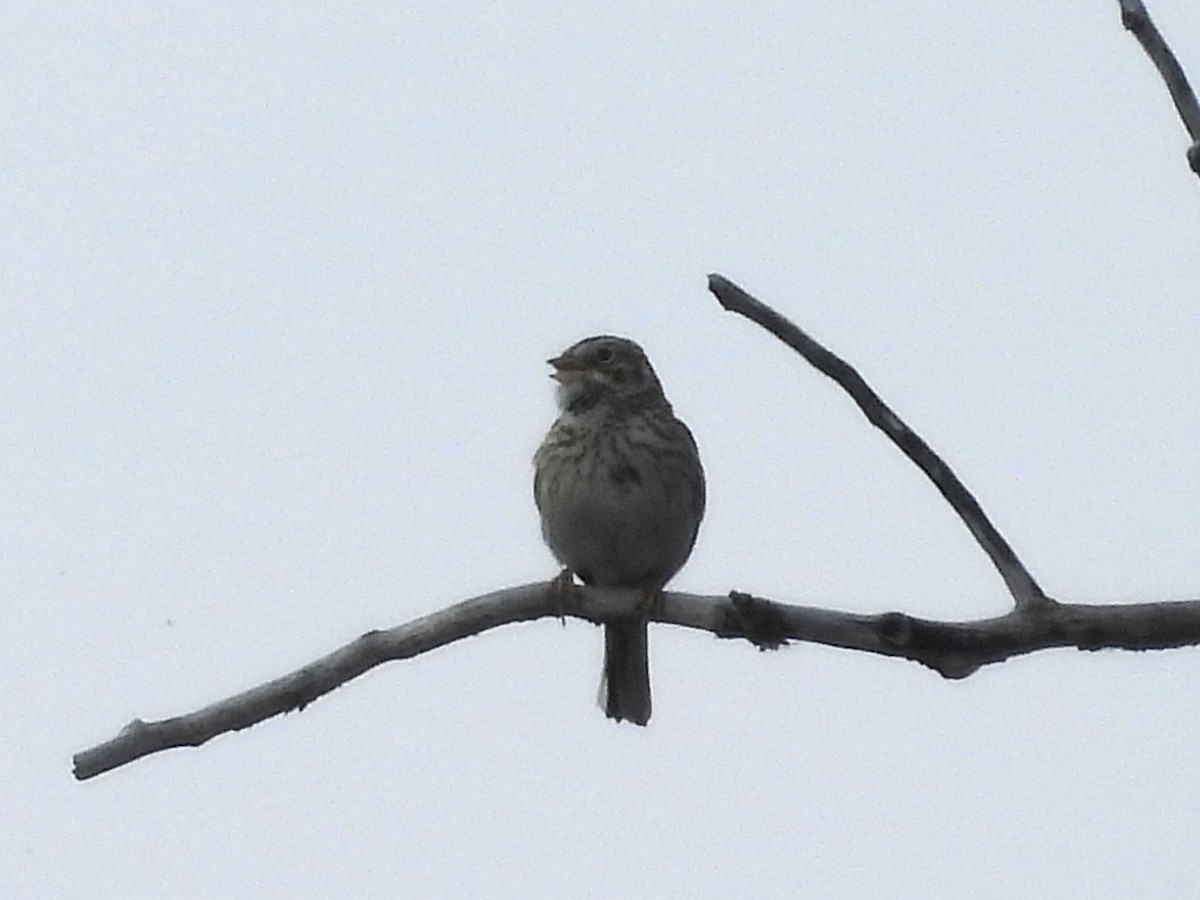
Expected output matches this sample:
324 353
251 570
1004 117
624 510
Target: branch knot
758 621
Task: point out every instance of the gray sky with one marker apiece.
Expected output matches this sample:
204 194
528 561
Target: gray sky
279 283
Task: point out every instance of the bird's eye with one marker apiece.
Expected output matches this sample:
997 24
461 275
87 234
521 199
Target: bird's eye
604 355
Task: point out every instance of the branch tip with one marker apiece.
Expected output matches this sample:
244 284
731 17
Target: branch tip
1020 583
1137 21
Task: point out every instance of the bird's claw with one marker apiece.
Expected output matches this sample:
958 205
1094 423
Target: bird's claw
562 588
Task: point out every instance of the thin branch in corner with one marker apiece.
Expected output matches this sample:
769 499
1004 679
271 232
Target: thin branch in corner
1136 19
1021 585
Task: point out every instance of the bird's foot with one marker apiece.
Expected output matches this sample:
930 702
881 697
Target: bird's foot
650 604
562 590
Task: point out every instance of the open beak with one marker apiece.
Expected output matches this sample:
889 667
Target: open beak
565 369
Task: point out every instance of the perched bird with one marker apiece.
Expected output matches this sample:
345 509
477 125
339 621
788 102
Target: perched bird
620 490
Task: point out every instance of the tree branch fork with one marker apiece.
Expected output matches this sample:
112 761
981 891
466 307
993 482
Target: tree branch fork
953 649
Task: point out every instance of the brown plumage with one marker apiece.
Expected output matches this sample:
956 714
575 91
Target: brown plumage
620 489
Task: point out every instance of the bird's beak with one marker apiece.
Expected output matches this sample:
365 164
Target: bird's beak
565 369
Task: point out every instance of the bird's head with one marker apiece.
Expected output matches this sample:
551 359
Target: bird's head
604 369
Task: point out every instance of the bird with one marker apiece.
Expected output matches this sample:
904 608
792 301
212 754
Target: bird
620 489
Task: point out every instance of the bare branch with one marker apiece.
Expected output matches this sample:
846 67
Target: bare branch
1136 18
953 649
1024 589
297 690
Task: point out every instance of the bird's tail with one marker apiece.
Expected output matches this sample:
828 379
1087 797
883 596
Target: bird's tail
625 691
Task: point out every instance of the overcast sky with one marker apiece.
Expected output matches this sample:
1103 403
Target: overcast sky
279 282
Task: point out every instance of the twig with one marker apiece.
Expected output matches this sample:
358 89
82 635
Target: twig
953 649
1136 18
1021 585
